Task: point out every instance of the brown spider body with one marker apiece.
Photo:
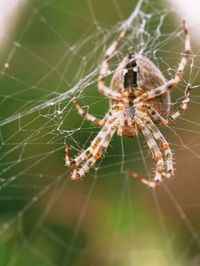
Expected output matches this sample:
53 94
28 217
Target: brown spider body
130 128
135 75
139 99
148 77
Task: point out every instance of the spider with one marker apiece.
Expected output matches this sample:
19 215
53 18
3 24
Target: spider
139 97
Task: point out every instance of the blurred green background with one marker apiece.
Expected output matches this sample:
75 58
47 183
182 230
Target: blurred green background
108 219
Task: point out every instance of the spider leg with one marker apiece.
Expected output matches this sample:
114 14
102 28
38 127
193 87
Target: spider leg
87 116
84 155
109 93
185 56
108 55
156 154
183 105
164 146
179 72
104 138
156 117
104 67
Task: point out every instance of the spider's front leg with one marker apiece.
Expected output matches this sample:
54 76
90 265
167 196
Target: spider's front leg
164 146
87 153
156 154
82 163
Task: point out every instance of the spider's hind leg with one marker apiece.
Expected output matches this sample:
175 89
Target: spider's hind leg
183 105
171 84
105 65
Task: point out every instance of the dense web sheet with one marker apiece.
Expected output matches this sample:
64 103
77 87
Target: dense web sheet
108 218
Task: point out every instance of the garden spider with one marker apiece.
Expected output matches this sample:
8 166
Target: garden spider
139 99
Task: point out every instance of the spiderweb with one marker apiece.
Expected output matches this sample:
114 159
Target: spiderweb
108 219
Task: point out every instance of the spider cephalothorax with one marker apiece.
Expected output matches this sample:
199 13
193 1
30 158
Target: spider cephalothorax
139 99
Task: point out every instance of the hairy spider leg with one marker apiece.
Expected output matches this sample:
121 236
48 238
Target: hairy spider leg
104 138
185 56
156 154
108 55
183 106
87 116
74 164
156 117
164 146
148 183
104 68
179 72
88 152
111 94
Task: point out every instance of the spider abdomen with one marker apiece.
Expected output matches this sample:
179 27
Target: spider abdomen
149 77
